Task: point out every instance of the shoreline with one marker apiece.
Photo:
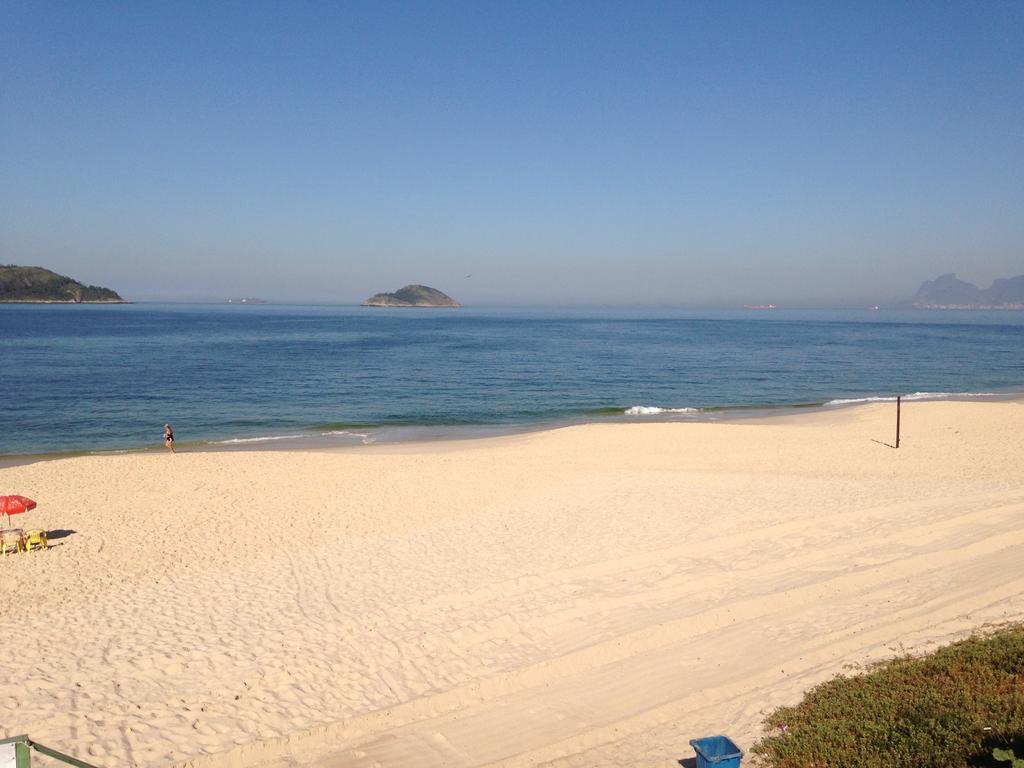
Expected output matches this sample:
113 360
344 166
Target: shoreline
353 437
64 301
602 591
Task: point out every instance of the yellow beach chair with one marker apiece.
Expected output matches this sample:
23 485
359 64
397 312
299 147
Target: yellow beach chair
12 540
36 538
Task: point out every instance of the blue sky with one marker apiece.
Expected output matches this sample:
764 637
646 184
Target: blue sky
589 153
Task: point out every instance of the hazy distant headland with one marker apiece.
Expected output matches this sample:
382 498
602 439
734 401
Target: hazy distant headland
412 296
949 292
36 285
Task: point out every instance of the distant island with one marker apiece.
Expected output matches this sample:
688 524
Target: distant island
35 285
412 296
949 292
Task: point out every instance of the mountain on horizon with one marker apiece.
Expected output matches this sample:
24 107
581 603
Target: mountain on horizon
949 292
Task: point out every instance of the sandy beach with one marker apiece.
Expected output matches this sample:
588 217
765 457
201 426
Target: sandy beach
589 596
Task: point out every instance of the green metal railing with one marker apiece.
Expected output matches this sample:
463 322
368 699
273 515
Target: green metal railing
24 746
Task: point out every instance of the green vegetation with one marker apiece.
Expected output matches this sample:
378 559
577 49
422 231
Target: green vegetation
1007 756
960 706
412 296
35 284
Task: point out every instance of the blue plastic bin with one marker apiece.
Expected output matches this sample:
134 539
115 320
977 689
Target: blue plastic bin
716 752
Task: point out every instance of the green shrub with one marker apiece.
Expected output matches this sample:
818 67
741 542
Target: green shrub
960 706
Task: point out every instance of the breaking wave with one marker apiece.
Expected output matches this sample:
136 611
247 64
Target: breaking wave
912 396
653 410
239 440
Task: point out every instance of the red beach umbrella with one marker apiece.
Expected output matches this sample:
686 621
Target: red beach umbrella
15 505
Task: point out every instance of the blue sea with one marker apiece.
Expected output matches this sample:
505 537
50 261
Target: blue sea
106 378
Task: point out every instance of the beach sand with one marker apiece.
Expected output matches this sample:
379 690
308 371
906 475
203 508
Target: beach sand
589 596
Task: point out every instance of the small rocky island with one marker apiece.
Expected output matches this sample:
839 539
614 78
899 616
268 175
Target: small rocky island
412 296
35 285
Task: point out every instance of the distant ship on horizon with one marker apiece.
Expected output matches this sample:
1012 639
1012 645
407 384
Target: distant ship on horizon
759 306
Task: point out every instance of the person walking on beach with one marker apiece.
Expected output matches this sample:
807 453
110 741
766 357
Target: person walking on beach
169 437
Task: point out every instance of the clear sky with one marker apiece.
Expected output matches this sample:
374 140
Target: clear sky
632 153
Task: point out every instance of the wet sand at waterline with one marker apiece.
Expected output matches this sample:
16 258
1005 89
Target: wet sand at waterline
588 596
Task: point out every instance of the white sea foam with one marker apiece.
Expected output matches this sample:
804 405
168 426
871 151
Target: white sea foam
239 440
653 410
912 396
364 437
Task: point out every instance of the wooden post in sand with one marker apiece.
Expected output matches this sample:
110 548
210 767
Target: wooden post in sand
897 421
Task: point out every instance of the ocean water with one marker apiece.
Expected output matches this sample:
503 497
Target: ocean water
99 378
